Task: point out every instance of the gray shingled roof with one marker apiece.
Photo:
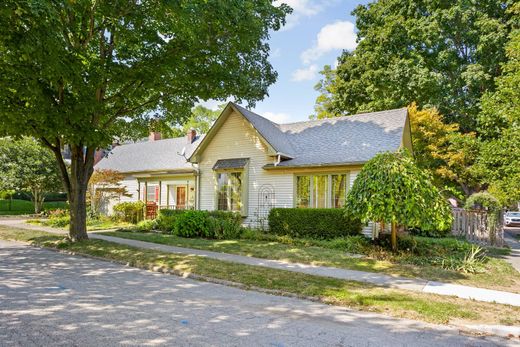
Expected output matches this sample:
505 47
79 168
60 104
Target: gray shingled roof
237 163
150 156
341 140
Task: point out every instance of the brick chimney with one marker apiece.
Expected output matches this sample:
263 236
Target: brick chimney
192 134
154 136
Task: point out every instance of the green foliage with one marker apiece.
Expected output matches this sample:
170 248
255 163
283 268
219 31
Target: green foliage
26 165
225 225
472 262
482 200
192 224
446 153
85 73
166 219
317 223
392 189
130 212
440 54
146 225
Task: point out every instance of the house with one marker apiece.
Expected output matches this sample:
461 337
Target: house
249 164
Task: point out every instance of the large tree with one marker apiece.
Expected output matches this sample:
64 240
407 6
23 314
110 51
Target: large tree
499 125
442 149
442 54
26 165
85 72
201 119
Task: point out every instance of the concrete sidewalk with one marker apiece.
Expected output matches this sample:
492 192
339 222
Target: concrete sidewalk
417 285
514 243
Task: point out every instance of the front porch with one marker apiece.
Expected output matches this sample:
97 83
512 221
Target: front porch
174 192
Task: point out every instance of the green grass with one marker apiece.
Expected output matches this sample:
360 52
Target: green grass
19 207
498 273
92 224
361 296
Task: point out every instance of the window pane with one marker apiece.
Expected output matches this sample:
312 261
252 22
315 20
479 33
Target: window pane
319 191
339 188
222 191
303 186
236 191
152 192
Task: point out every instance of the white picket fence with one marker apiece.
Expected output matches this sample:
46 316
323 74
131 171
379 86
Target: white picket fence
476 226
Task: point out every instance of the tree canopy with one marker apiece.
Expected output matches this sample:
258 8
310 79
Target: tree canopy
390 188
26 165
84 73
439 54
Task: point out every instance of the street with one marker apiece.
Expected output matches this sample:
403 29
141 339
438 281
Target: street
52 299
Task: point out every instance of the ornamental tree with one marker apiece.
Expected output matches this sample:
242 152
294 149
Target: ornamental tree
84 73
103 186
392 189
26 165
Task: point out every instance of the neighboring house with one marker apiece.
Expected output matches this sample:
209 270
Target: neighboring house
249 164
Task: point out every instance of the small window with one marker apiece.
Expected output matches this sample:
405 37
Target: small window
303 189
152 193
229 191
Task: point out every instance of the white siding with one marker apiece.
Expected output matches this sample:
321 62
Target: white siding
130 183
237 139
353 175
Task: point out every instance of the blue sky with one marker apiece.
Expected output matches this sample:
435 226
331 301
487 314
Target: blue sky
315 34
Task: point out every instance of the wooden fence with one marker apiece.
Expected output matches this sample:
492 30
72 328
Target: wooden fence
478 226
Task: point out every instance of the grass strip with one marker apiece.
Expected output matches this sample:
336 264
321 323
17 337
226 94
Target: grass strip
499 274
361 296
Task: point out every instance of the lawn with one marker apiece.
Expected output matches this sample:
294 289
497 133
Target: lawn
92 224
361 296
19 207
498 273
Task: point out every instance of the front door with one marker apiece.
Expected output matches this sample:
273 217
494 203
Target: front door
181 197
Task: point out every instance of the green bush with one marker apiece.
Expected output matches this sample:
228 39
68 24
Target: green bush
166 219
146 225
317 223
130 212
57 222
482 200
192 224
224 225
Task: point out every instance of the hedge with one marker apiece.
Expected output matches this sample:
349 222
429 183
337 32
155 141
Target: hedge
208 224
316 223
131 212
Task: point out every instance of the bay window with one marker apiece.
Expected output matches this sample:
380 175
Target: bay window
321 191
229 191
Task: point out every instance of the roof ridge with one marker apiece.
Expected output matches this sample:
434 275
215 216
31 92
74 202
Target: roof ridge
344 117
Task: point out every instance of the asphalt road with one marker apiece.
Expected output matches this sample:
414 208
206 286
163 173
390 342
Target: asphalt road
52 299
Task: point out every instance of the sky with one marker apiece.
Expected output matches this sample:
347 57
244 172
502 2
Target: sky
314 36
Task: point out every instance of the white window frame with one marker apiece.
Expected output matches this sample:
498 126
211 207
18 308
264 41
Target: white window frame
328 193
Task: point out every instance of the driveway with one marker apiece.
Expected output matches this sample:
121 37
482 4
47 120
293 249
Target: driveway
48 298
510 236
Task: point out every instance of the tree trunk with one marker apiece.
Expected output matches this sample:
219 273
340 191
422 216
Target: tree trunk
37 200
75 183
393 236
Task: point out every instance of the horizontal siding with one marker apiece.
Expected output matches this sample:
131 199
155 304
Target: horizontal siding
237 139
353 175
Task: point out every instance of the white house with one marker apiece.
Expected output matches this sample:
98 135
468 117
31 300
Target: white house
249 164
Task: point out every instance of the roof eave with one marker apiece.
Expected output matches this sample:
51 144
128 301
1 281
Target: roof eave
281 167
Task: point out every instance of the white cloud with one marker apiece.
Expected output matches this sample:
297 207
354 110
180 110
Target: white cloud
338 35
303 8
277 117
305 74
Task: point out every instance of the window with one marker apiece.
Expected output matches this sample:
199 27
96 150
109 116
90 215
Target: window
229 191
321 191
339 190
152 193
303 187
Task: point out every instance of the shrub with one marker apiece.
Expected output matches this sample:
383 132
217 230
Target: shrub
130 212
317 223
192 224
429 233
166 219
146 225
57 222
482 200
225 225
57 213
